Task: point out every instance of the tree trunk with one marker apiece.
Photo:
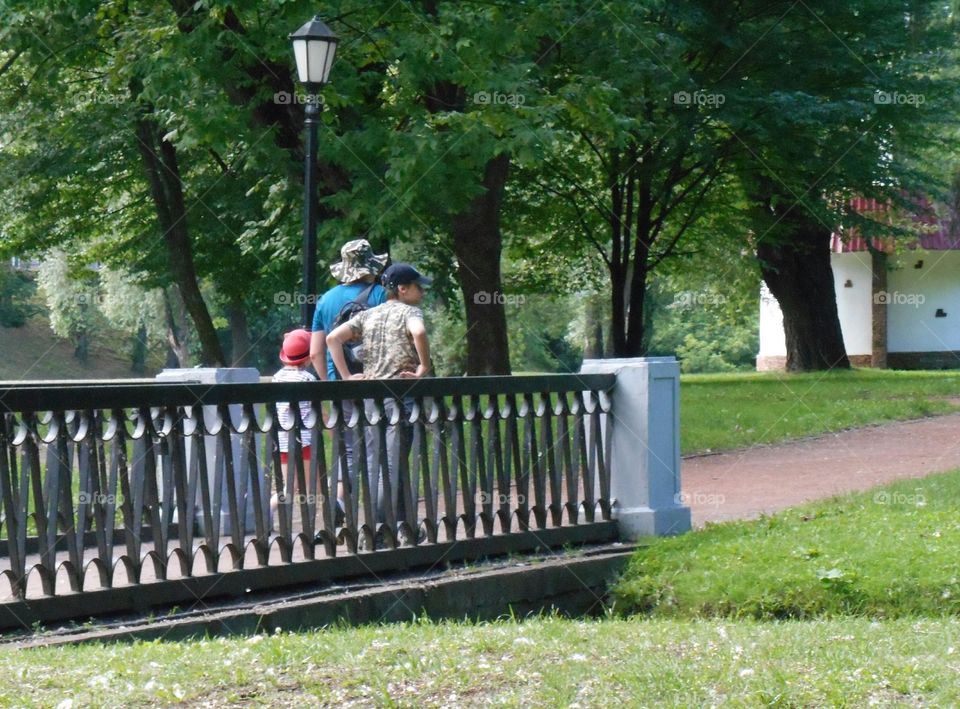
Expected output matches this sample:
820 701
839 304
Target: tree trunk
630 227
178 348
593 347
81 349
163 176
635 345
138 355
797 271
629 292
242 350
878 292
477 242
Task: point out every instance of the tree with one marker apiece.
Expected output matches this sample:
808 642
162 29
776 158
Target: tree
643 159
132 310
16 292
756 109
71 302
614 138
850 99
462 75
196 124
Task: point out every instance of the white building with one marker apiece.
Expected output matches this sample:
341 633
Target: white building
908 318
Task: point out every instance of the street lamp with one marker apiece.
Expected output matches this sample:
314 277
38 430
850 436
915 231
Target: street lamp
314 46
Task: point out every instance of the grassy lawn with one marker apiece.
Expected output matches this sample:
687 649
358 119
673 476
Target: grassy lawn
722 411
544 662
890 552
34 352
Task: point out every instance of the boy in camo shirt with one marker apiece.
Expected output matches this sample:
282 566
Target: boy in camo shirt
393 334
395 345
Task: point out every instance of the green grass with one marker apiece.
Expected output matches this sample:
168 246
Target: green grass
891 552
543 662
723 411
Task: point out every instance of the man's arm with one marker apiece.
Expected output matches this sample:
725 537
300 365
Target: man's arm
418 331
318 353
335 340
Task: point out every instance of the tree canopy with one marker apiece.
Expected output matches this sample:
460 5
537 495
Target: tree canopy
553 147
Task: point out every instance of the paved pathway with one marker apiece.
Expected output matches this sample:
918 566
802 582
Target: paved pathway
746 483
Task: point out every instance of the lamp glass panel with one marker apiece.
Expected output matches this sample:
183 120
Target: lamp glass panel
300 53
320 59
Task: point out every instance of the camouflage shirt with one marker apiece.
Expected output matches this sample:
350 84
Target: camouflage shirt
387 344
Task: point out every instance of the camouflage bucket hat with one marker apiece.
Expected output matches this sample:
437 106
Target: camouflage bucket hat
356 261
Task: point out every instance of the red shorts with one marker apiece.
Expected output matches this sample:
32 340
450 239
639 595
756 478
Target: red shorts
284 457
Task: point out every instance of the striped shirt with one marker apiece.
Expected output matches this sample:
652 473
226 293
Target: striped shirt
292 374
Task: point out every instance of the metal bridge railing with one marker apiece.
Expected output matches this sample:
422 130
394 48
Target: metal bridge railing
142 487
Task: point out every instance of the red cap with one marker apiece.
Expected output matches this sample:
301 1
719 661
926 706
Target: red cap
296 348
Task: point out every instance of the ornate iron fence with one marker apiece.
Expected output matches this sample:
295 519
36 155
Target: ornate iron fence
129 495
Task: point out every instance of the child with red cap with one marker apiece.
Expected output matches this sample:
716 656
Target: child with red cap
295 356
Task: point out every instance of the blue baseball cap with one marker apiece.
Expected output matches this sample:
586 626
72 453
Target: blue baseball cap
403 274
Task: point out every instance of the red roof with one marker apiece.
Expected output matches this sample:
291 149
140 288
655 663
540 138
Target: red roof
934 233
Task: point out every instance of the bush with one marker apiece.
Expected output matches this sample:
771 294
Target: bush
17 290
707 330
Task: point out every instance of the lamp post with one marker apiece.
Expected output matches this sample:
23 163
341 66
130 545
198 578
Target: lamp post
314 46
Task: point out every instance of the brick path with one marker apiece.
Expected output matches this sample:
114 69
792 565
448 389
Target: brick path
746 483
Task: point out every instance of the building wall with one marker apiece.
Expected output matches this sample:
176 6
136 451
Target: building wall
854 301
915 294
772 341
853 307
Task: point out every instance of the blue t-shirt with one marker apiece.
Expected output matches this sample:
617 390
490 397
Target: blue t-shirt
332 302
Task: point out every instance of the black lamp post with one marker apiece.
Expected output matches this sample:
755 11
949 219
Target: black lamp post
314 46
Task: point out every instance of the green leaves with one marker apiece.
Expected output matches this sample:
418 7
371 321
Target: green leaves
689 105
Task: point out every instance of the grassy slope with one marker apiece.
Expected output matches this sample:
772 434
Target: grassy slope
891 552
34 352
722 411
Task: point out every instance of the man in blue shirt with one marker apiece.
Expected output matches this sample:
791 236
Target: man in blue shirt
357 269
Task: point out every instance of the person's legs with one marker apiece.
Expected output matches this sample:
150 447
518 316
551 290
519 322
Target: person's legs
293 494
393 438
372 440
393 457
400 455
396 439
346 475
